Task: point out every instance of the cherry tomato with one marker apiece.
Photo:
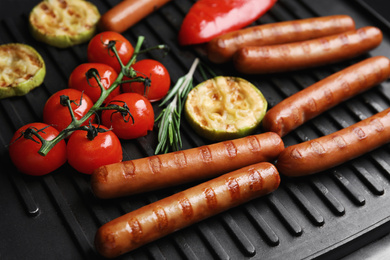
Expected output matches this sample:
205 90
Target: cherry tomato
86 155
99 52
58 115
24 152
140 108
78 80
159 76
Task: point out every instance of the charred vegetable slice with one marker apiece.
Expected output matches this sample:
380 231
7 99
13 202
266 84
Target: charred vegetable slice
64 23
225 108
21 69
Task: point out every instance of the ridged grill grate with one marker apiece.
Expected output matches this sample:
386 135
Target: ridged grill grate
316 216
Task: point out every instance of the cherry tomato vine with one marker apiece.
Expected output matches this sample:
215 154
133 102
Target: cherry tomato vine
126 71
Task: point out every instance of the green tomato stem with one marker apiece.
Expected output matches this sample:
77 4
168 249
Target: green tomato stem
48 145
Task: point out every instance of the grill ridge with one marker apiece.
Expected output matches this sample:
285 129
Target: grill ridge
344 190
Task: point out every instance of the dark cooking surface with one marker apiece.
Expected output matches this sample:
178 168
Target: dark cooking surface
327 215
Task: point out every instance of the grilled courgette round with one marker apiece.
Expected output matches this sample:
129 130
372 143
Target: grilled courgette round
225 108
21 69
63 23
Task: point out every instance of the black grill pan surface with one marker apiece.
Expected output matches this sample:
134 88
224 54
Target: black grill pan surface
325 216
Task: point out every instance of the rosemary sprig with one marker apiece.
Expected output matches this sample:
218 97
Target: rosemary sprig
169 126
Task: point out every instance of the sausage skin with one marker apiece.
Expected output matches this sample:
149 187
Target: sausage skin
306 54
185 208
334 149
127 13
222 48
325 94
164 170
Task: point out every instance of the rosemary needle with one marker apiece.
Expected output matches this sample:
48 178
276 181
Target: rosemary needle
169 137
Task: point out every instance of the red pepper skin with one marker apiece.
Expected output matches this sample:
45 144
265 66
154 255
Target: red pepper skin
210 18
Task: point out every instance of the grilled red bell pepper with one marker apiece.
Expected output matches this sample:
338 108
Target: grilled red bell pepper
210 18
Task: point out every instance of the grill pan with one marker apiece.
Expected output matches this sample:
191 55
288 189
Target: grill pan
328 215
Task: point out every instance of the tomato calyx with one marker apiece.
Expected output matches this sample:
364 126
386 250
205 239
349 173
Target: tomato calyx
124 110
92 131
32 131
147 81
92 73
112 48
64 100
110 45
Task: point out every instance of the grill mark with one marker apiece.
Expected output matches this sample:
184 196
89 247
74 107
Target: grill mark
297 26
234 188
362 79
312 104
44 7
101 175
258 33
296 114
275 30
295 154
255 179
200 116
211 198
315 25
180 159
325 44
339 141
284 50
306 48
360 134
254 144
344 39
161 218
281 125
345 86
328 95
63 4
110 239
155 164
362 33
135 229
264 52
205 154
238 37
221 43
378 71
377 124
128 169
186 208
230 148
317 147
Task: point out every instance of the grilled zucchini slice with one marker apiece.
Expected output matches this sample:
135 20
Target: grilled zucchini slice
63 23
225 108
21 69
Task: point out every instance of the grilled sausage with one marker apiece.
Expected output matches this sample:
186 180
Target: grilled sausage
306 54
127 13
222 48
182 209
325 94
331 150
164 170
